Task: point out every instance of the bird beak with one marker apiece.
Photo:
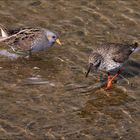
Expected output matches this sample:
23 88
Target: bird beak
90 66
58 42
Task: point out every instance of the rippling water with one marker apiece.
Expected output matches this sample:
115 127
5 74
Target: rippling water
48 97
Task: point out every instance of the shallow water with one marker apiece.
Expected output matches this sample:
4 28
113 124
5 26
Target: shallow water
48 96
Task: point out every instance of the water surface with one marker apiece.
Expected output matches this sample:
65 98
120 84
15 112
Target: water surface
48 97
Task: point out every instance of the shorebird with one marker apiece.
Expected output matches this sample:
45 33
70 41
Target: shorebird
25 41
110 57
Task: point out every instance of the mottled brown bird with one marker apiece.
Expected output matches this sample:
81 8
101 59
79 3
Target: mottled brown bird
110 57
26 41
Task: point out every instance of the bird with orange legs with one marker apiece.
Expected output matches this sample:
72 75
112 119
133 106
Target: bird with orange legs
110 57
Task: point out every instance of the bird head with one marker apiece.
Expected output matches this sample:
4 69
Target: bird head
52 37
94 62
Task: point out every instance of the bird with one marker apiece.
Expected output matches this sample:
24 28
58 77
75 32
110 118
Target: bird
110 57
23 42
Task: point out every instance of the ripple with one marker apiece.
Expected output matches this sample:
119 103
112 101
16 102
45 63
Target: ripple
37 81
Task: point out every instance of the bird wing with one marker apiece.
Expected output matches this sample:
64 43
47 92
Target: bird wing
122 52
23 40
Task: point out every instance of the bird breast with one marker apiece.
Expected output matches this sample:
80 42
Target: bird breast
110 65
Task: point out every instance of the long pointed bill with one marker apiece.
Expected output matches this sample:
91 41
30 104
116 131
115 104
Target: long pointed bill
58 42
90 66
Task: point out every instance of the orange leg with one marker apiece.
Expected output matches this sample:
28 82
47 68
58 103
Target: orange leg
110 80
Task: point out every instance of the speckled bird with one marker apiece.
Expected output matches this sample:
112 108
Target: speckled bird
25 41
110 57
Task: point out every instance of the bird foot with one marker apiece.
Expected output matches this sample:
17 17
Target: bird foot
110 80
109 84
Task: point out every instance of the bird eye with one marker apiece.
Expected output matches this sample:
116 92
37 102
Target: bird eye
53 37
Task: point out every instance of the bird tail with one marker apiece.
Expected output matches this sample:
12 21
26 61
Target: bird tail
3 31
135 47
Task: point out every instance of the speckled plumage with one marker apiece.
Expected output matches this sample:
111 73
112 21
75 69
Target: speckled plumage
28 40
111 56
